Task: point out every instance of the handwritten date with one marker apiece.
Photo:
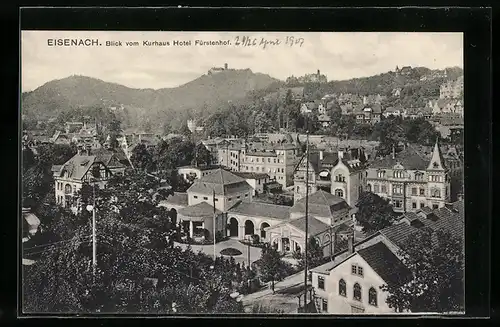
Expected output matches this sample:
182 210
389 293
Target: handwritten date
246 41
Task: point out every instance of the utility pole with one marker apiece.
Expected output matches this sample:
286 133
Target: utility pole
249 255
214 223
94 238
306 218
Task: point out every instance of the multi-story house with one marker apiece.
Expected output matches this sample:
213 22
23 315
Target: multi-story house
190 173
87 166
367 115
258 181
409 180
278 162
342 174
351 282
348 178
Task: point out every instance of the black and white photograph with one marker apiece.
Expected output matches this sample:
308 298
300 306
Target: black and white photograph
226 173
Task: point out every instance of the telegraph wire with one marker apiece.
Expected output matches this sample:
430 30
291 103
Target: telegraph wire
63 241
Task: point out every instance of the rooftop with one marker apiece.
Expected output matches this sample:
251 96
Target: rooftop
385 263
398 233
221 177
220 181
201 168
260 209
199 210
315 226
321 203
408 158
250 175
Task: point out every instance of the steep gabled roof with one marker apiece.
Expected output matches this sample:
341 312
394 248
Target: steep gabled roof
437 161
408 158
398 233
385 263
321 203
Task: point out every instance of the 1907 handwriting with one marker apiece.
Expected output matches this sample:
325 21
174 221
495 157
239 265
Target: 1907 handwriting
247 41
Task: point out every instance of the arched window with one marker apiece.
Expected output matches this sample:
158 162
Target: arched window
436 193
68 189
342 288
339 193
372 296
340 178
357 292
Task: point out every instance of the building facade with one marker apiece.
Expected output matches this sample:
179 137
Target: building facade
85 167
410 181
342 174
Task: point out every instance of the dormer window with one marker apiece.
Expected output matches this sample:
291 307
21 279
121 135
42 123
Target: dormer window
398 174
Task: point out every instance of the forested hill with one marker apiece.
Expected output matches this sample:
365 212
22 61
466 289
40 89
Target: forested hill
205 93
384 84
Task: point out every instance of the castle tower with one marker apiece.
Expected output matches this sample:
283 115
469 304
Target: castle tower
438 181
225 66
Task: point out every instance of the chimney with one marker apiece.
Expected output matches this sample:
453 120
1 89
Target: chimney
350 244
225 66
321 155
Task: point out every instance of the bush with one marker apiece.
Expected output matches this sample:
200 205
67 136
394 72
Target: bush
230 251
256 245
219 236
259 308
255 238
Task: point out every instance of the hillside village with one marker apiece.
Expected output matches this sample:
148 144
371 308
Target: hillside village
357 178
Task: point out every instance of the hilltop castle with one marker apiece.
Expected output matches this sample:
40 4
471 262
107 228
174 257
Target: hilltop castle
215 70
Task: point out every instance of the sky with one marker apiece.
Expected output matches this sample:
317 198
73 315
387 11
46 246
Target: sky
337 55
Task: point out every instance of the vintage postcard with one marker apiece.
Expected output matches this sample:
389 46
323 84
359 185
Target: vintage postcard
179 173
